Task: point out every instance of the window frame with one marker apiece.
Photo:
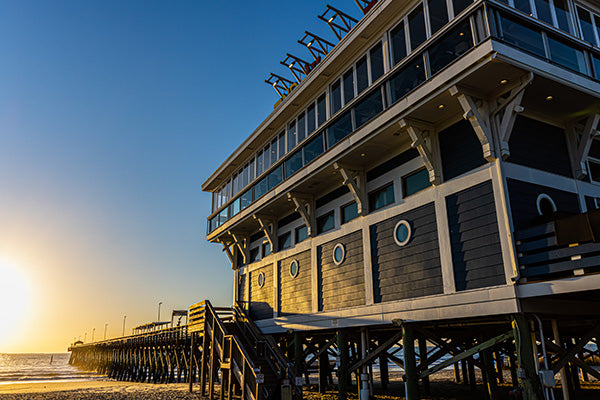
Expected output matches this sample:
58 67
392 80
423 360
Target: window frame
381 188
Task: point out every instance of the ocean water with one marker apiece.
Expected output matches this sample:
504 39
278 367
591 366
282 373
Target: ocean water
15 368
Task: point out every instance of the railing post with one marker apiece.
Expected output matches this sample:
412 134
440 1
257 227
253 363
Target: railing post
191 363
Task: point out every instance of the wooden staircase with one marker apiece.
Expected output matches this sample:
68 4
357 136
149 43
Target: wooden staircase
234 359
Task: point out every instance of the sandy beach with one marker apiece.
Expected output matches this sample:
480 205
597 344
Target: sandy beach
98 389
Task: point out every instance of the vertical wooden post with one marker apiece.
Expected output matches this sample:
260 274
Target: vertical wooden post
488 372
411 382
204 366
465 373
323 369
298 354
423 363
384 372
456 373
499 366
342 343
513 369
472 379
191 357
532 389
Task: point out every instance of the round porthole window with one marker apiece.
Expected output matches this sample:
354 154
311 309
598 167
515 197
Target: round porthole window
339 254
545 205
294 268
402 232
261 279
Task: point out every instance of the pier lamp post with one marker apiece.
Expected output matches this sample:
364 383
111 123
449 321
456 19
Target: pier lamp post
159 304
93 331
105 326
124 318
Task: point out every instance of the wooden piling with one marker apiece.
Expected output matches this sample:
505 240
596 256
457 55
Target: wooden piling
530 383
411 382
343 373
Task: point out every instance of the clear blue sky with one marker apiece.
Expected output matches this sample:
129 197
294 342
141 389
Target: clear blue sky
112 114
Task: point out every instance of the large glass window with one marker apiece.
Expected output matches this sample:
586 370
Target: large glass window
588 24
336 97
566 56
376 56
438 14
325 223
407 78
311 122
563 16
460 5
381 197
301 127
415 182
234 207
321 110
260 188
339 129
348 80
313 149
285 241
416 27
275 177
368 108
254 255
523 5
301 233
246 199
522 37
398 43
266 249
293 164
451 46
292 136
362 75
260 163
349 212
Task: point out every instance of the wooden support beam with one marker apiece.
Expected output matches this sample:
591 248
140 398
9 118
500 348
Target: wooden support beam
423 364
227 250
356 181
478 116
507 113
241 242
322 349
423 140
305 206
467 353
411 377
377 352
269 227
384 372
343 371
580 143
530 382
323 366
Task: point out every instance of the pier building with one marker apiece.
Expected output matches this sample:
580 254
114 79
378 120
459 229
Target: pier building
423 195
438 166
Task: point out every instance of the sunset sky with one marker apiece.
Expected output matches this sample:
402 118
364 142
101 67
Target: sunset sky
112 114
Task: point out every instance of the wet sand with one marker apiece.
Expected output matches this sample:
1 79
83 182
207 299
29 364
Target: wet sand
99 389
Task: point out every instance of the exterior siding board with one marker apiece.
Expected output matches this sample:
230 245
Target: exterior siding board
474 238
523 202
539 145
261 298
460 149
342 286
295 293
413 270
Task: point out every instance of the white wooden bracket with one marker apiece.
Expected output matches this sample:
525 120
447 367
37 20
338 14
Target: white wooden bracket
227 250
423 141
305 206
269 228
356 181
506 113
478 116
580 143
241 242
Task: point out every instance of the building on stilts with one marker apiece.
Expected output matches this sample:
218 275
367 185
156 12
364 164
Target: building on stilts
424 195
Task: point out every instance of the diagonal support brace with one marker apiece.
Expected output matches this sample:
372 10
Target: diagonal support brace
241 242
423 144
479 119
227 250
507 113
269 228
356 181
305 206
580 144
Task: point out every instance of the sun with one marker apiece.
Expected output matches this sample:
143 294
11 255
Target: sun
14 298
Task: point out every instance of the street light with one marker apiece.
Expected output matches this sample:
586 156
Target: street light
105 326
93 331
159 311
124 318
